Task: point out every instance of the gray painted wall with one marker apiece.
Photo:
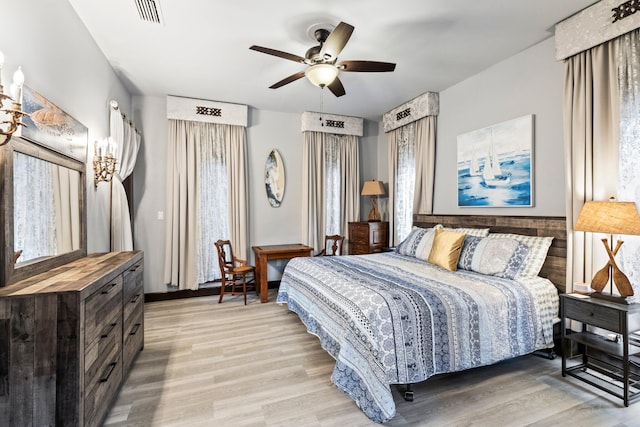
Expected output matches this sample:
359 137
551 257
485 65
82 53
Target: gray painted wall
61 62
527 83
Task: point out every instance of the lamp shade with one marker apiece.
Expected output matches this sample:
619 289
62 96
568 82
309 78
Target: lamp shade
609 217
321 75
373 188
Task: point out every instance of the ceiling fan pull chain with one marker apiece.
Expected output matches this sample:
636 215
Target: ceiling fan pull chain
321 105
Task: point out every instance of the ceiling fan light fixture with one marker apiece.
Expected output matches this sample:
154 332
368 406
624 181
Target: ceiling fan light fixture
321 75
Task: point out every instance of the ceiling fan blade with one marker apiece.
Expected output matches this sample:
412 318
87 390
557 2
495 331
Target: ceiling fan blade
278 53
366 66
336 87
336 41
287 80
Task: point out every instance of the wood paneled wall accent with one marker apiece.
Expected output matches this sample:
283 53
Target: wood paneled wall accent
554 268
61 340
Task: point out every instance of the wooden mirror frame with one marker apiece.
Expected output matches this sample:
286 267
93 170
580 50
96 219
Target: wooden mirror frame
10 272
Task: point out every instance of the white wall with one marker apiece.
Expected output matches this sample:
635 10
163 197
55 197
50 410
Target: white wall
528 83
61 62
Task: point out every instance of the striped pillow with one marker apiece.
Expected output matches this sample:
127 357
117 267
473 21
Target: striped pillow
409 246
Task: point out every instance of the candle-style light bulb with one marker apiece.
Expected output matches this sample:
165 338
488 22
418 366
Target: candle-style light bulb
18 80
1 64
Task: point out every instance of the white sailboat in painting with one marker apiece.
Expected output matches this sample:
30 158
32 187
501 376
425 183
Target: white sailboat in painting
492 175
474 169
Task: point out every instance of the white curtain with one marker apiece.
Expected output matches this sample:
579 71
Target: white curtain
238 186
66 196
212 190
402 178
206 199
412 151
629 159
127 140
330 177
591 118
34 238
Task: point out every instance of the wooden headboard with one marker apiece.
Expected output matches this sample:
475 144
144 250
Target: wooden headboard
554 268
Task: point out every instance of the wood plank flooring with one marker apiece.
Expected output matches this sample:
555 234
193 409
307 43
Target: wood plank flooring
210 364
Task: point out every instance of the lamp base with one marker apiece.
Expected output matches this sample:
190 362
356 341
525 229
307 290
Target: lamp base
610 297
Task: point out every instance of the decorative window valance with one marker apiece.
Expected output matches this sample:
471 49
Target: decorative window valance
427 104
331 123
199 110
595 25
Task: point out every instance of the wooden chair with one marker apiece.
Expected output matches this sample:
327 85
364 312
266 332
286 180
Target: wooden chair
332 245
234 270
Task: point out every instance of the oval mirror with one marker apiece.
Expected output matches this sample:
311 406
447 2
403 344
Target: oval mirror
274 178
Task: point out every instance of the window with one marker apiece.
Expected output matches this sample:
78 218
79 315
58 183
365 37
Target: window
629 161
405 180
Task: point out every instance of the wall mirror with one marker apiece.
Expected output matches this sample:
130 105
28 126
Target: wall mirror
43 207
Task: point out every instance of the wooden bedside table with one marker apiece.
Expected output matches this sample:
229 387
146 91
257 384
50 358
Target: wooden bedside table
615 376
368 237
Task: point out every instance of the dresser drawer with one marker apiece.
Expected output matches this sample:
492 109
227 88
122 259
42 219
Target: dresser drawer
596 315
101 352
360 233
101 389
100 306
133 282
357 249
132 304
133 338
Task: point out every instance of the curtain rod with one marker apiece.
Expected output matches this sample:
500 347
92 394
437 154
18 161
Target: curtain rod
114 105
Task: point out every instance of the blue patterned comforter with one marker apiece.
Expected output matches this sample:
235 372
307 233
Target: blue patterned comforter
390 319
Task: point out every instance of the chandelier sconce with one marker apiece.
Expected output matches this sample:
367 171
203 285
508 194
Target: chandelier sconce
11 118
104 161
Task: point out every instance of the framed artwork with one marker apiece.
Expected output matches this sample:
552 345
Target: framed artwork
274 178
495 165
48 125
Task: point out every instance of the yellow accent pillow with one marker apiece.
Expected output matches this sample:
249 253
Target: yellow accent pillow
446 249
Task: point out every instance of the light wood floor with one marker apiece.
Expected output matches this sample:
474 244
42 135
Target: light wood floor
210 364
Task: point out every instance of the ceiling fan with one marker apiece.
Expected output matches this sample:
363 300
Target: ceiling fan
322 60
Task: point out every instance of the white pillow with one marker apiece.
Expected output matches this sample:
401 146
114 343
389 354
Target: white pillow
478 232
494 257
538 248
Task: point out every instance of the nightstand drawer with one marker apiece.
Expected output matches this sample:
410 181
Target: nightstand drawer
360 233
596 315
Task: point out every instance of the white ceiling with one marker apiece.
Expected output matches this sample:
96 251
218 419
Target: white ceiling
201 50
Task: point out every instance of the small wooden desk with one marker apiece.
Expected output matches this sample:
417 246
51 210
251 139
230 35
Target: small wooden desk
270 252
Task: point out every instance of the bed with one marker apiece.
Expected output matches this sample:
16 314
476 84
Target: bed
396 318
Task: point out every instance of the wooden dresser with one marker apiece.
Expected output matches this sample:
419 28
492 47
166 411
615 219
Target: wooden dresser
367 237
68 338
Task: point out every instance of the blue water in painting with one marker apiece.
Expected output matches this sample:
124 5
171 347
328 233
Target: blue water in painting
472 190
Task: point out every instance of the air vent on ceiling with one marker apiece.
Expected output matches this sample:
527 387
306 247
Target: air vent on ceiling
149 10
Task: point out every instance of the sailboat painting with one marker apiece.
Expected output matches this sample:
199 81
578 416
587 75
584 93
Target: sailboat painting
495 165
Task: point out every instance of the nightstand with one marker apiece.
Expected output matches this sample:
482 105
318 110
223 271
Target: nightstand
606 364
368 237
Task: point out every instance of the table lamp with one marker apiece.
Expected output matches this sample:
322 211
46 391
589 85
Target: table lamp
610 217
374 189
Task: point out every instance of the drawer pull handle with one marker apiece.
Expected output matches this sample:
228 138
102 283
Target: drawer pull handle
108 371
108 330
106 291
135 298
134 268
135 328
